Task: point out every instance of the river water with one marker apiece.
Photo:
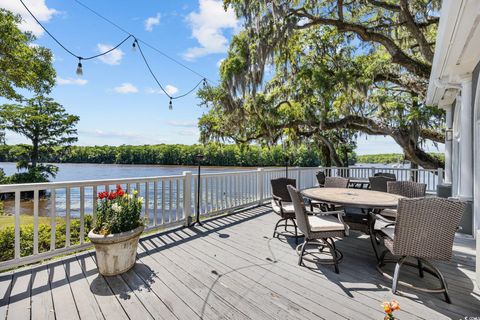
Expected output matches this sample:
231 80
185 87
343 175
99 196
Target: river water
82 171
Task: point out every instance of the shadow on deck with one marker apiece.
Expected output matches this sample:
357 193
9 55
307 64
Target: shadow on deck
231 268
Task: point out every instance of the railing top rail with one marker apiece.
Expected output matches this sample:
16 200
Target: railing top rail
80 183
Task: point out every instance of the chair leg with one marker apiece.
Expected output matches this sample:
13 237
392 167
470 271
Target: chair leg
276 226
302 252
442 280
397 274
333 252
420 268
296 230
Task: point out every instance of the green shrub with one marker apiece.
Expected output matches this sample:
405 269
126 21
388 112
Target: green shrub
7 237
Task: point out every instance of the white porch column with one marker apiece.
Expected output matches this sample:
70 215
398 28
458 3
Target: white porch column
448 146
466 141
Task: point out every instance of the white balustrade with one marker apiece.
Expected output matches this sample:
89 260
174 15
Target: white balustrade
169 200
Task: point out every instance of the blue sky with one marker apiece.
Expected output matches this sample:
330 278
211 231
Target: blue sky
117 100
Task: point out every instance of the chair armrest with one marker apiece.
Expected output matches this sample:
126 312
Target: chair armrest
339 214
382 219
277 200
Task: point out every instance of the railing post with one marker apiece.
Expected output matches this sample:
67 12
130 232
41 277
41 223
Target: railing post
187 197
373 171
260 178
440 176
299 174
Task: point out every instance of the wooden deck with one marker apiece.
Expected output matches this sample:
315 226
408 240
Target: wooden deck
231 268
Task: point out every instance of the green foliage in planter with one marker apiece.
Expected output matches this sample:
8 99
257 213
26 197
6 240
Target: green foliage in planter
118 211
7 237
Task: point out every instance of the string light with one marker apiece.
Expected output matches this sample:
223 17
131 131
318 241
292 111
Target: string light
79 71
135 45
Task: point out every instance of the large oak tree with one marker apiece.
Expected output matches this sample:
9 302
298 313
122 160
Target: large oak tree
381 51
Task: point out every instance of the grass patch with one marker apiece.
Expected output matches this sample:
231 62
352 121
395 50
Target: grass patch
9 221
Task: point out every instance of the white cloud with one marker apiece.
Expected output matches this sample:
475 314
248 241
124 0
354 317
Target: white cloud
184 124
77 81
125 88
39 9
171 90
219 62
151 22
189 132
112 58
207 27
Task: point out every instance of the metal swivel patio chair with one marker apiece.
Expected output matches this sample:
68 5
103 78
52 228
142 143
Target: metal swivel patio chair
320 178
319 231
282 205
379 183
424 230
386 174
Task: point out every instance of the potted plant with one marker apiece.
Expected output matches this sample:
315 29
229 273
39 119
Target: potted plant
116 230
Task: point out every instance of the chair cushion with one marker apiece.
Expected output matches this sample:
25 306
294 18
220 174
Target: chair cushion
390 213
286 206
325 223
389 232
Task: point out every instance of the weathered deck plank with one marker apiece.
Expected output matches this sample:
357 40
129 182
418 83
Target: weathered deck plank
42 303
231 268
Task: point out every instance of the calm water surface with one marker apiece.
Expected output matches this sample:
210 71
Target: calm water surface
86 171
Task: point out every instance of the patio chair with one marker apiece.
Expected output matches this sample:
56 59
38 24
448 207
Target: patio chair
424 230
336 182
386 174
320 178
330 182
282 205
379 183
408 189
319 231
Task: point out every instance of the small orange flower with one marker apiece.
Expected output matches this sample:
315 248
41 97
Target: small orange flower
394 305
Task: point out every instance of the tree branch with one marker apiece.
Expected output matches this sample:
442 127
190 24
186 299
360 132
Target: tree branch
414 29
398 56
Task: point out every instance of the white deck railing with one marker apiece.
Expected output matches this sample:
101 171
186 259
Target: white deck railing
169 201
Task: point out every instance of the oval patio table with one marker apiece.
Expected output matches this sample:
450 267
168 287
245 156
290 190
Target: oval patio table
371 201
354 198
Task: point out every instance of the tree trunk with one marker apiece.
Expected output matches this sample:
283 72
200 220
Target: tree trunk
34 154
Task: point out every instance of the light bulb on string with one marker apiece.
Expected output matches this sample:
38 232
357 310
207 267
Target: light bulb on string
134 45
170 105
204 82
79 71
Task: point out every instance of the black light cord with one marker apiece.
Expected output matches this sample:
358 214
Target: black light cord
136 43
65 48
142 41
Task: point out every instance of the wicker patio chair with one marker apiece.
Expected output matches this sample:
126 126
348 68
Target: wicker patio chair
386 174
424 230
282 205
408 189
330 182
336 182
319 231
320 178
379 183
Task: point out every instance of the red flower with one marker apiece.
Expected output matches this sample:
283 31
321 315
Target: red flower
119 187
120 192
112 195
103 195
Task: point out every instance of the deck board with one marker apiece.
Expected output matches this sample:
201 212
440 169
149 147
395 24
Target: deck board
231 268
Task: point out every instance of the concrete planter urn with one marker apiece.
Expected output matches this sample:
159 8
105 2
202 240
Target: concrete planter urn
116 230
116 253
